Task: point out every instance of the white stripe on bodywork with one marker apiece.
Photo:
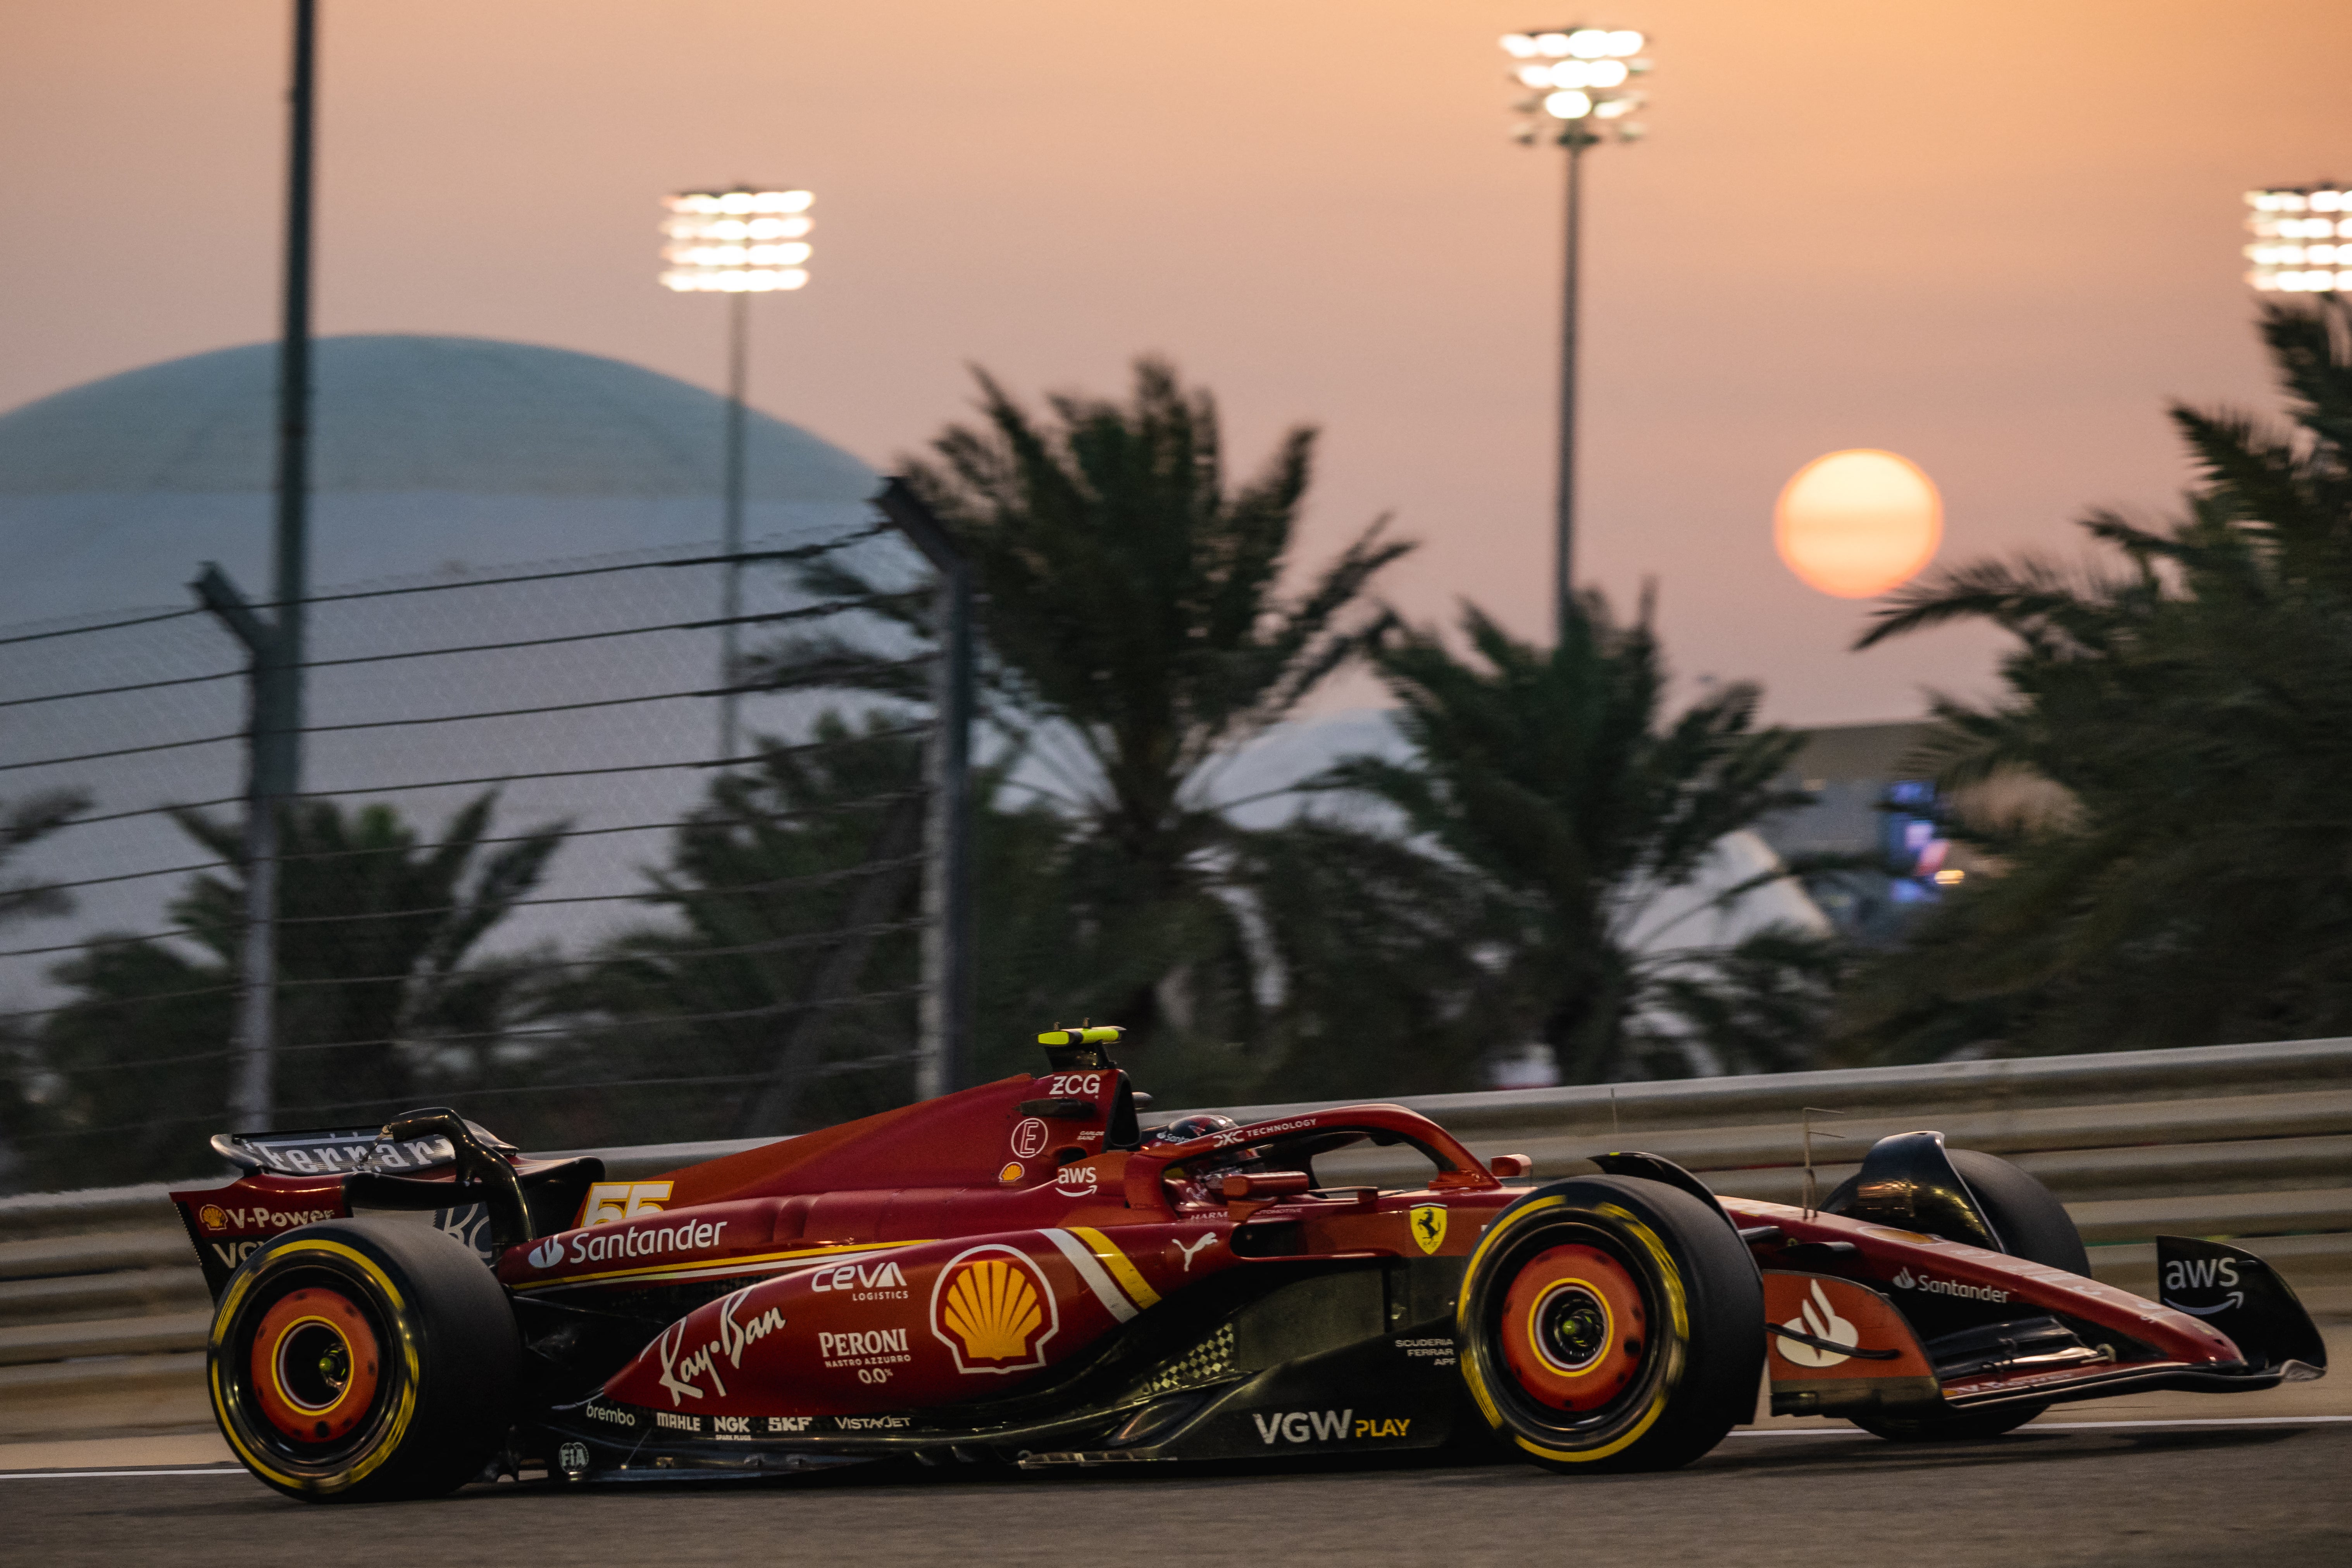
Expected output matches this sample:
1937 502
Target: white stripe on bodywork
1089 1270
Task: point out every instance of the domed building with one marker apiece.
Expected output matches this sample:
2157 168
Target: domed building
443 468
426 453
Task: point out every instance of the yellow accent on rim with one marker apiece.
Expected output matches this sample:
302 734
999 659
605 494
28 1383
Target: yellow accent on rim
278 1366
1608 1319
1678 1311
411 1364
1122 1269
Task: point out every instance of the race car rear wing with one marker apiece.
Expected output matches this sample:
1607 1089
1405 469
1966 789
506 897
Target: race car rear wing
477 1186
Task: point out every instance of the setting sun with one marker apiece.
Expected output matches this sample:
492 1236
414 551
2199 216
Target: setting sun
1859 523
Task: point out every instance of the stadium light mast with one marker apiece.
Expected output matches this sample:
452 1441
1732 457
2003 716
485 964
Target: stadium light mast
2301 239
274 642
1578 78
738 243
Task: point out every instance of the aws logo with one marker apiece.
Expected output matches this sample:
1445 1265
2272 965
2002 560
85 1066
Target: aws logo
2203 1274
995 1310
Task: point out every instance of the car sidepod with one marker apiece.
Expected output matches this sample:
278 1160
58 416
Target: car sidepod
1059 1346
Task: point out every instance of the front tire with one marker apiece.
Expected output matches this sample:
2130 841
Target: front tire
357 1361
2033 1225
1608 1323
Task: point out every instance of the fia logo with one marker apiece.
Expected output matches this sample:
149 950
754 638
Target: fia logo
1429 1226
572 1459
1820 1320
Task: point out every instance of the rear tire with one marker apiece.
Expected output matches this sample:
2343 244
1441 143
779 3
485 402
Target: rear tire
1608 1323
358 1360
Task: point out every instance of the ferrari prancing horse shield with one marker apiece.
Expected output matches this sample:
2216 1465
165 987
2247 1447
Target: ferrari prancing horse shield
1429 1226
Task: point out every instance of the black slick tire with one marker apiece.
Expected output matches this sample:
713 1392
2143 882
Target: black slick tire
1610 1323
2032 1224
362 1361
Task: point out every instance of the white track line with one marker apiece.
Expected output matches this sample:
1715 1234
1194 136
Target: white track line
84 1475
2071 1425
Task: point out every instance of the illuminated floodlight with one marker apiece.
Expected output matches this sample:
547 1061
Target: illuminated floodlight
1576 94
1578 79
740 241
2300 236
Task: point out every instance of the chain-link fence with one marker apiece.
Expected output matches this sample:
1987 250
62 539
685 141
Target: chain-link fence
517 874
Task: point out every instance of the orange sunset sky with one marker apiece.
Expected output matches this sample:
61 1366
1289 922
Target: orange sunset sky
1992 237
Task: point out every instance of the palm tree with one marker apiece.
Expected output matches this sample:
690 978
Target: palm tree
1553 776
2185 703
382 994
25 822
794 895
1137 634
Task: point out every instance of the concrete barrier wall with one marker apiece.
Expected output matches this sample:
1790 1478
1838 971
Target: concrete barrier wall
103 1313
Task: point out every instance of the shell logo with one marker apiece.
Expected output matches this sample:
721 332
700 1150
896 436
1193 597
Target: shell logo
211 1218
995 1310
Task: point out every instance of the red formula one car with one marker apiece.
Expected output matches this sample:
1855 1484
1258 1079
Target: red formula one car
1020 1273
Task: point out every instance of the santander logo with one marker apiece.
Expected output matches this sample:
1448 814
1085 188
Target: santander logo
548 1253
1820 1320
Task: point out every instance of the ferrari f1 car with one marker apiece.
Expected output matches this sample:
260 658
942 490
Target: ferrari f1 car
1019 1273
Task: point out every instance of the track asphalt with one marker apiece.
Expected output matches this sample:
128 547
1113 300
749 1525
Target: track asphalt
2210 1495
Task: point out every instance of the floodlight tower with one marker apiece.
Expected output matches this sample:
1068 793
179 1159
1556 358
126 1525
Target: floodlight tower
1578 78
738 243
2301 239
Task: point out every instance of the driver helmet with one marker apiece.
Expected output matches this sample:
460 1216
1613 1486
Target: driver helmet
1184 1128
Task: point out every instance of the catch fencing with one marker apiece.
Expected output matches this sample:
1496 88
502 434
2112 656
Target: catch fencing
527 869
103 1315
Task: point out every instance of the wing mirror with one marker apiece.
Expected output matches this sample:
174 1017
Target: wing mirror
1246 1194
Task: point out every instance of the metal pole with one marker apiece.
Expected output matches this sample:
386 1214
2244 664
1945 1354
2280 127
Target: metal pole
730 594
249 1089
275 769
944 1057
1564 500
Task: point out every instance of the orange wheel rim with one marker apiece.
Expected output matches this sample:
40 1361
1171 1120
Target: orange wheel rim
1574 1331
316 1365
